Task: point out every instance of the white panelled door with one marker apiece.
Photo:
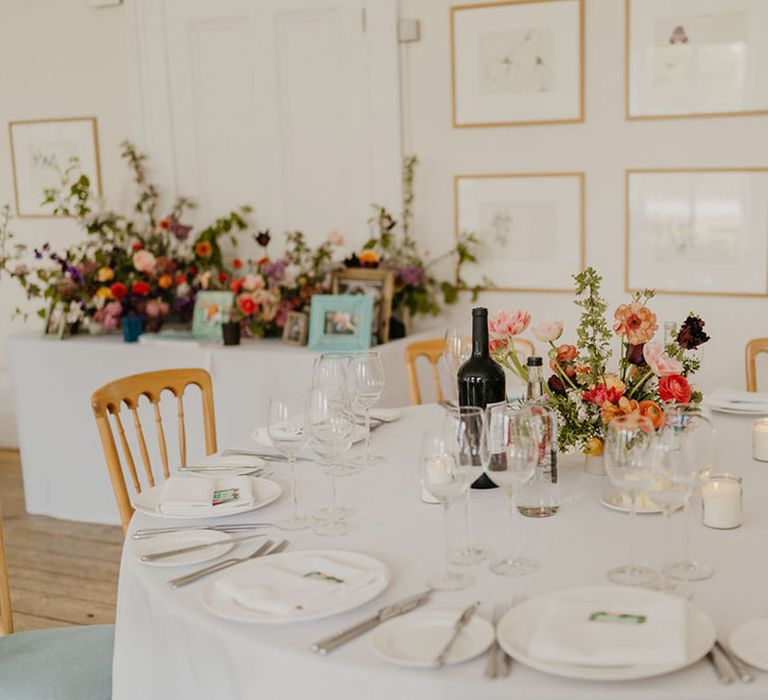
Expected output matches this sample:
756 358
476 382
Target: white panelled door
291 105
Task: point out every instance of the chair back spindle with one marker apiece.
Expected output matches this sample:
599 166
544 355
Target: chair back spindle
754 348
6 616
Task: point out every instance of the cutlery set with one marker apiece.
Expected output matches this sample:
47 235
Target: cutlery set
727 667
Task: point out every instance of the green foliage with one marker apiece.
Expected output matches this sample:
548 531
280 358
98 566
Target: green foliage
593 333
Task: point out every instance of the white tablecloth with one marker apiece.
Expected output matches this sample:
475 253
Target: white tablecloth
168 646
62 462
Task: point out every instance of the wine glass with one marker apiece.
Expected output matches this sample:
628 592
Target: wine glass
465 427
627 461
366 383
330 436
286 428
458 348
694 436
444 478
511 465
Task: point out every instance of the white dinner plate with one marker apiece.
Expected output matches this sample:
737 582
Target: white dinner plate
516 629
223 606
749 641
177 540
386 415
416 639
732 410
265 489
220 461
611 498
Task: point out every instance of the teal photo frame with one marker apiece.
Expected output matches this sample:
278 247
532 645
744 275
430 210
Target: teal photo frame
340 322
211 310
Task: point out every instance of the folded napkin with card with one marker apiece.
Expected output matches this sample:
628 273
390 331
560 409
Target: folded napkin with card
183 496
620 630
297 586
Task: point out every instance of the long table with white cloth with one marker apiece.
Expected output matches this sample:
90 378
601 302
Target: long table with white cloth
62 462
168 646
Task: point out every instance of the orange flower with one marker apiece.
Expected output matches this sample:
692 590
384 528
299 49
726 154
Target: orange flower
635 322
165 281
624 407
652 411
368 257
593 447
203 249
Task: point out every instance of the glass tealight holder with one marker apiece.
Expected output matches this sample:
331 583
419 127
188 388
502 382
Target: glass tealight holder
721 501
760 440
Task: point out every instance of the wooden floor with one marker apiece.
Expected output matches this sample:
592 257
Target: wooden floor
61 572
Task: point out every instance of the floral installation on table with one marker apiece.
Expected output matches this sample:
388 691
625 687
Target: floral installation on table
584 392
417 289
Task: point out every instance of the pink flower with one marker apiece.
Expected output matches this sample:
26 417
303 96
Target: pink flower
253 282
548 331
335 238
506 324
144 261
157 308
658 360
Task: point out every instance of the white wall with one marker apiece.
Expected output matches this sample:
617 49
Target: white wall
603 146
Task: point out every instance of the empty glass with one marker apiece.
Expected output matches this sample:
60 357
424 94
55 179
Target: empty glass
627 461
443 476
366 383
458 348
511 465
286 428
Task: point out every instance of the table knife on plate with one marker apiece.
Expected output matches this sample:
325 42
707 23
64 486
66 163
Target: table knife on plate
268 456
386 613
459 625
197 547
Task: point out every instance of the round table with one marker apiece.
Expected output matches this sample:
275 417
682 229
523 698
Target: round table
168 646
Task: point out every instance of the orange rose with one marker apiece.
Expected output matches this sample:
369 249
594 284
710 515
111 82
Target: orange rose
165 281
203 249
652 411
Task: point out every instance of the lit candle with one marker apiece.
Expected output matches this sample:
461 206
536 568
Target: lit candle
437 473
721 501
760 439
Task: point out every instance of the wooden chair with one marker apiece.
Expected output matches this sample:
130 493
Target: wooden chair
433 349
67 663
754 348
108 401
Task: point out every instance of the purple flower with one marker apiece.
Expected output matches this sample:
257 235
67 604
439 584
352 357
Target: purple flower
181 231
411 275
274 271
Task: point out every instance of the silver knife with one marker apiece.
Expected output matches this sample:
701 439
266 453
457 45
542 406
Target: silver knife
460 624
411 603
196 547
741 672
722 670
219 467
268 456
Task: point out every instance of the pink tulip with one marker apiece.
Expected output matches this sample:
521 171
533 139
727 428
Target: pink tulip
506 324
660 363
548 331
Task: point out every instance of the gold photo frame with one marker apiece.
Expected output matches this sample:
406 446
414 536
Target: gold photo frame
38 147
706 238
526 85
296 328
578 204
377 283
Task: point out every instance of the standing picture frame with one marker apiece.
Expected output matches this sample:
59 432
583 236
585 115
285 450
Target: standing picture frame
697 231
340 322
211 310
296 328
517 62
40 149
695 58
379 284
530 228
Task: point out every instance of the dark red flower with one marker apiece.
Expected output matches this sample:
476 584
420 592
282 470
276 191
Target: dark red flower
192 270
556 385
635 355
263 238
181 279
137 245
222 277
236 286
237 264
692 333
140 288
118 290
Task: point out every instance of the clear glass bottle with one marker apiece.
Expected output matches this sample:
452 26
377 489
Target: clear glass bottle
540 497
670 332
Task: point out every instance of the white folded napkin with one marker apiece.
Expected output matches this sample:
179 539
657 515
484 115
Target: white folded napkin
565 634
181 495
297 586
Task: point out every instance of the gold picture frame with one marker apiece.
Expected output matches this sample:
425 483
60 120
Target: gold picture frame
579 118
361 280
628 84
22 161
627 229
296 328
582 252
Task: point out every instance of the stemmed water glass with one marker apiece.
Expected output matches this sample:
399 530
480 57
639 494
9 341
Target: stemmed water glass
443 476
627 460
694 435
366 383
286 428
458 348
511 465
330 436
465 427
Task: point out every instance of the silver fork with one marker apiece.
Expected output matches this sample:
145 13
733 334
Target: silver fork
492 666
197 575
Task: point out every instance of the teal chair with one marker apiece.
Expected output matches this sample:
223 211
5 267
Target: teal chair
64 663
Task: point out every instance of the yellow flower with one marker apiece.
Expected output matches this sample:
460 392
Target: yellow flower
105 274
369 257
165 281
593 447
104 292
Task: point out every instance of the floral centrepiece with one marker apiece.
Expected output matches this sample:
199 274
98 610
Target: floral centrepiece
583 390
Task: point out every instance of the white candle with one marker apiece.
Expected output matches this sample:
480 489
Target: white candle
721 501
760 439
437 473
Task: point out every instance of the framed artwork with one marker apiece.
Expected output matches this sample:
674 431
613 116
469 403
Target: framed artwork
211 310
697 231
517 62
696 58
296 328
41 149
341 322
530 228
379 285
